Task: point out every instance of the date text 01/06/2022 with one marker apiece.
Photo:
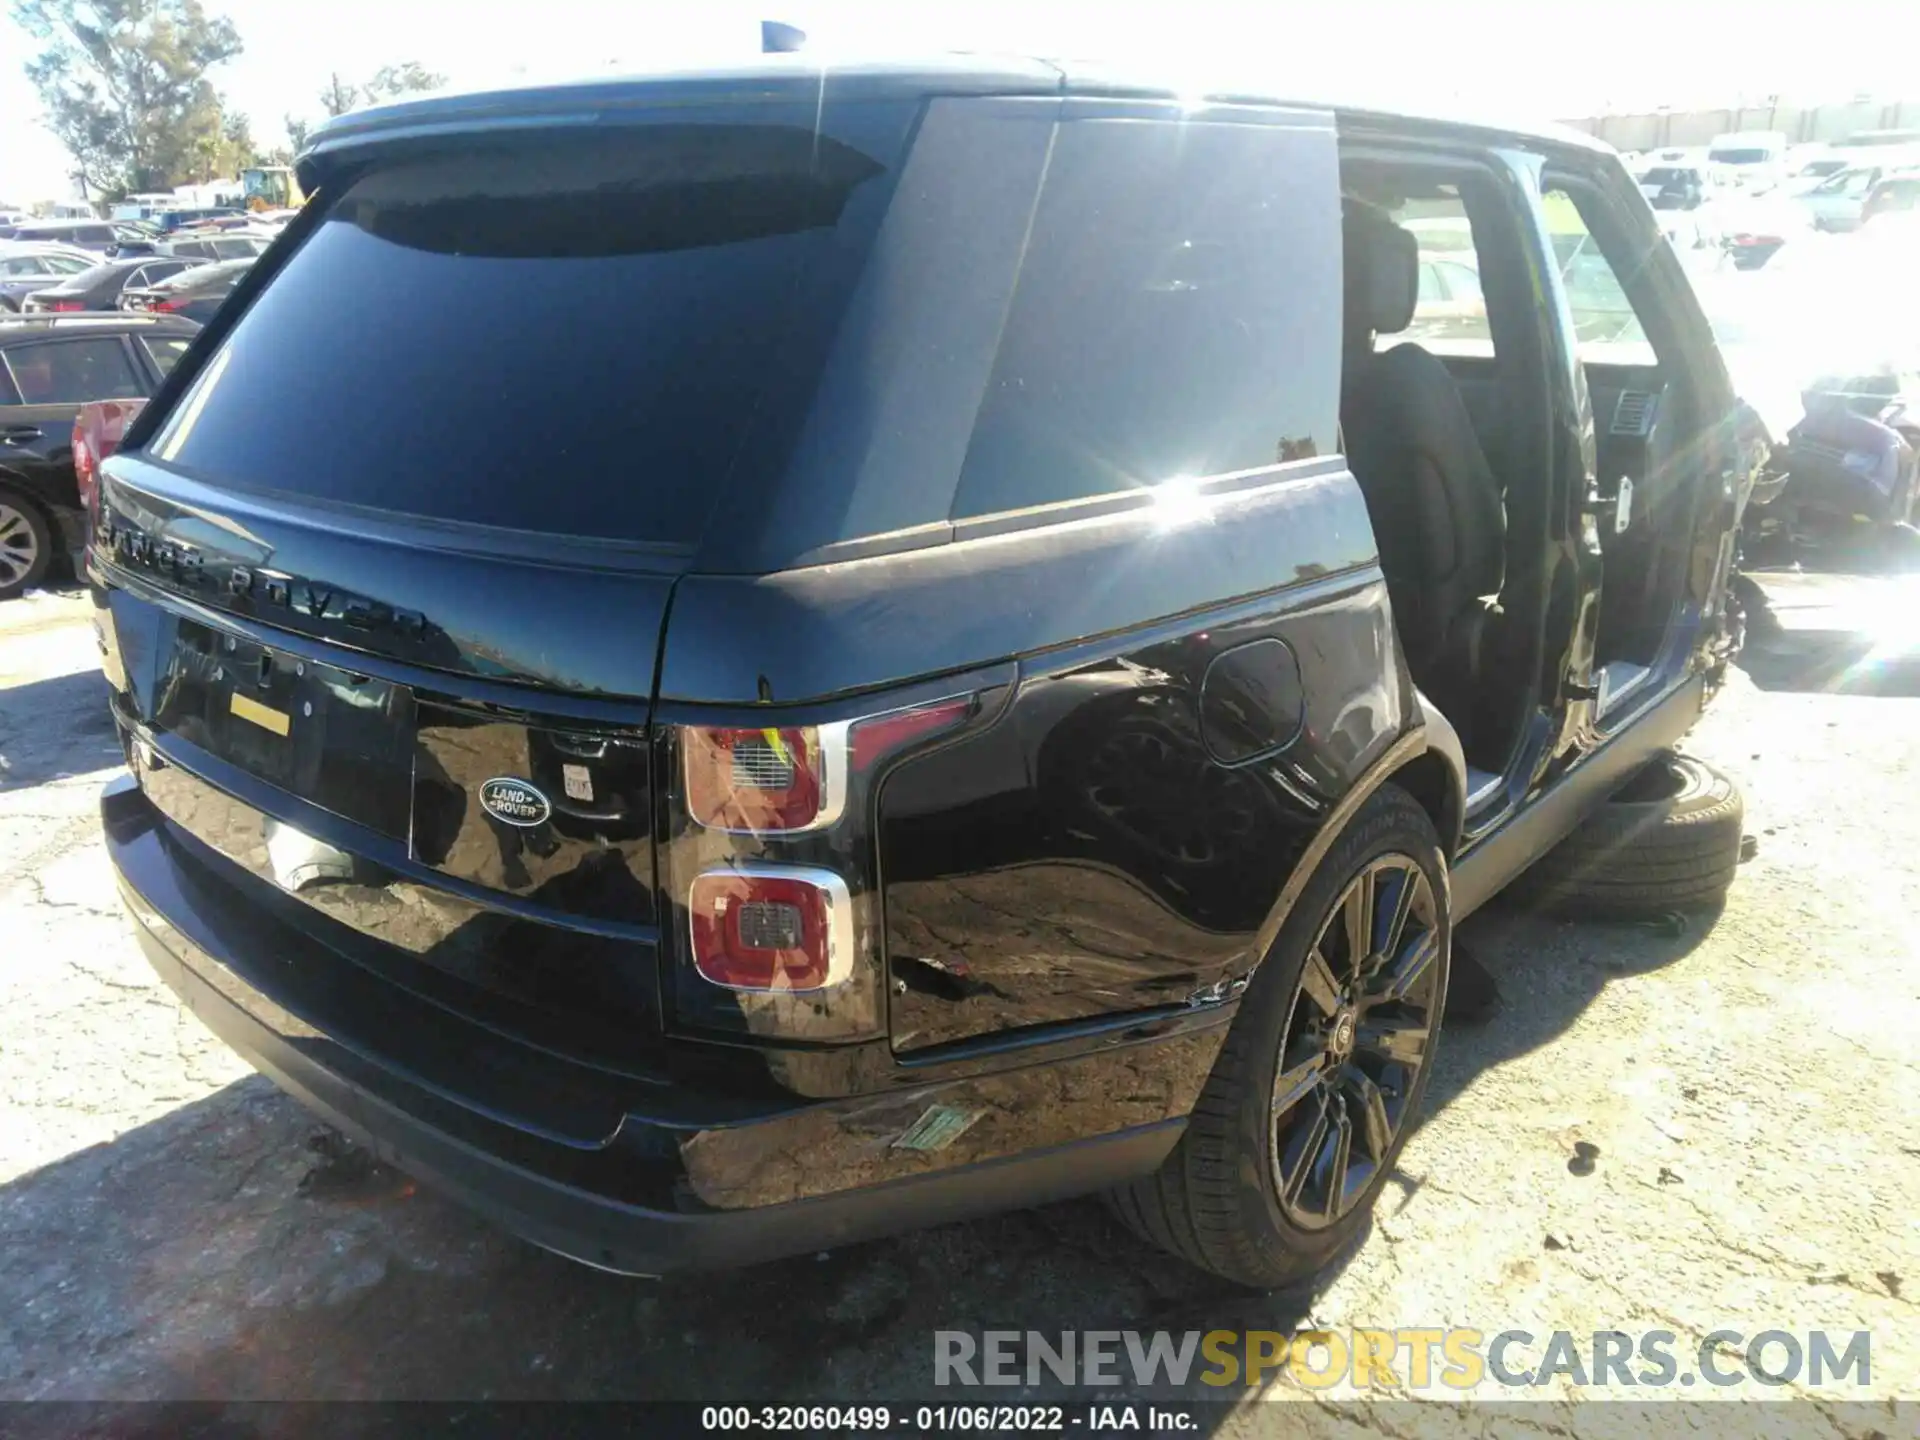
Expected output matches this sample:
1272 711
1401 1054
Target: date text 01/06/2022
994 1419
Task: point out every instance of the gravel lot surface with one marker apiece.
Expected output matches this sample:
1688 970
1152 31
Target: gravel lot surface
171 1227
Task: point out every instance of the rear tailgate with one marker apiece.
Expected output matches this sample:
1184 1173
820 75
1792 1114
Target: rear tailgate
318 708
385 565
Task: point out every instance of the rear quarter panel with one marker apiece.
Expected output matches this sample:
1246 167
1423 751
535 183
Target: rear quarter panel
1091 854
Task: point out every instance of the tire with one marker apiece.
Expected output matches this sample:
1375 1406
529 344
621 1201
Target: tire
26 544
1668 840
1247 1193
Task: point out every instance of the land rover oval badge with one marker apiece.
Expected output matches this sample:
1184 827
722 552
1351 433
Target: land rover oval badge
514 802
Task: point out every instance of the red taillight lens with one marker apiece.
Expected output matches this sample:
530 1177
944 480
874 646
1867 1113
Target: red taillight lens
782 780
765 781
771 928
773 853
168 306
67 305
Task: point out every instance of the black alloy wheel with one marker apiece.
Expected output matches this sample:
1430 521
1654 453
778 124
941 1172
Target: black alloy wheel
1320 1081
1356 1042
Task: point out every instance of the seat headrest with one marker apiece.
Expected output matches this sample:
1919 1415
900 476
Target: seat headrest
1382 269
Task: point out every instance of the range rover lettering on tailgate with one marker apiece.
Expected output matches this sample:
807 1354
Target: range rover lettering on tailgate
964 639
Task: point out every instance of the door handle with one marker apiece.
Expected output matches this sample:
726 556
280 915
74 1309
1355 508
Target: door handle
14 434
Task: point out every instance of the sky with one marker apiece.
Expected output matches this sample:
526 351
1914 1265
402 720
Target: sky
1534 58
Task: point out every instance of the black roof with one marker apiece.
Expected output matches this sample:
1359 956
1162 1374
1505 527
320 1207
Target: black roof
799 77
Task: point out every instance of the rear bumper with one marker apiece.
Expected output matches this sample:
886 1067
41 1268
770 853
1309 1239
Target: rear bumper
588 1211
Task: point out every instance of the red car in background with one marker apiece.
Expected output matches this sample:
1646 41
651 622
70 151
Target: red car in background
96 435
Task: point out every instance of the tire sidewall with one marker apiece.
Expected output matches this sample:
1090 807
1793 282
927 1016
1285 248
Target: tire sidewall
44 532
1697 784
1391 822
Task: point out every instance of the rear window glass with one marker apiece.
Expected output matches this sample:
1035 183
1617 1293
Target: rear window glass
558 337
197 277
1175 313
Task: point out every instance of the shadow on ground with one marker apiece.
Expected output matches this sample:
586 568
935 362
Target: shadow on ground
53 728
1836 626
235 1250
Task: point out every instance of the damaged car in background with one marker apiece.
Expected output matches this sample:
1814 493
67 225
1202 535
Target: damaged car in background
1826 344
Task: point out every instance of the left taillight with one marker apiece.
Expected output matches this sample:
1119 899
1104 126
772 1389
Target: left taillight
86 466
787 780
771 927
771 857
776 780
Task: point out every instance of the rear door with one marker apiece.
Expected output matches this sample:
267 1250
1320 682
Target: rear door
1169 543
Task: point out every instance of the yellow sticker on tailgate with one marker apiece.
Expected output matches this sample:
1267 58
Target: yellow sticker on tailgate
265 716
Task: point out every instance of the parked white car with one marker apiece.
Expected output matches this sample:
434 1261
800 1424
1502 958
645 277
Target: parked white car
26 266
1750 160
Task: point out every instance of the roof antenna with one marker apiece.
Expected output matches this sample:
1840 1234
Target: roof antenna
777 38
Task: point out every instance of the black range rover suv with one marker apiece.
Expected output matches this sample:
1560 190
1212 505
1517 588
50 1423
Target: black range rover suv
812 656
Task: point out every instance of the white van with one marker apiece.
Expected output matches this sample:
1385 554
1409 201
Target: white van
1747 159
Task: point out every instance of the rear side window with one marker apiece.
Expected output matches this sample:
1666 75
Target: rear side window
1177 315
559 336
71 372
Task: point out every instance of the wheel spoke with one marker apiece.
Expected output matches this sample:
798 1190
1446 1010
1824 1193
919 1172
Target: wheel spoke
1338 1163
1398 1041
1297 1163
1388 940
1317 982
1374 1124
1358 914
1292 1086
1411 967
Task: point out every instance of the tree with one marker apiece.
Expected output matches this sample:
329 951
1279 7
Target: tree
338 98
125 86
389 82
